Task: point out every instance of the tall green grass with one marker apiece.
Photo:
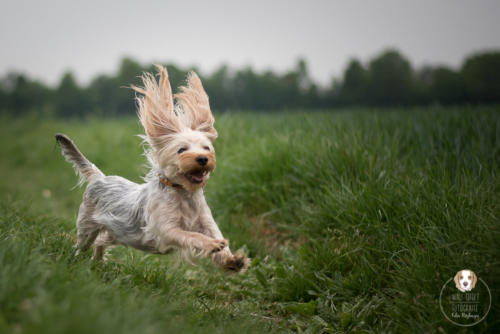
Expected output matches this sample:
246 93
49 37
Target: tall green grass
354 221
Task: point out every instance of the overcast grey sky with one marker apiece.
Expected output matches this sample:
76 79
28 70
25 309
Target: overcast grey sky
46 38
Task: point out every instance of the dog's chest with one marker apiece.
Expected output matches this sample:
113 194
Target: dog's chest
190 209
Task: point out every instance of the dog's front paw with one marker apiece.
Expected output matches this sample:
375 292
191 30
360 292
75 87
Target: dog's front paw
216 245
237 263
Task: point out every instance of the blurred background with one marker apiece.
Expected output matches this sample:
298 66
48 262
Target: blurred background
78 58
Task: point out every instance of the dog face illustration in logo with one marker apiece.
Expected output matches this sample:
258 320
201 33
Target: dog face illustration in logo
465 280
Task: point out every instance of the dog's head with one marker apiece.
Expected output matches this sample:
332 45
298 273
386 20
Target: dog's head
180 135
465 280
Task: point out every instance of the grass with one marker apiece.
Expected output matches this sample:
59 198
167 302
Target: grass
354 221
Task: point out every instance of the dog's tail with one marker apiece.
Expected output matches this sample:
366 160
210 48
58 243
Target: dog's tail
86 170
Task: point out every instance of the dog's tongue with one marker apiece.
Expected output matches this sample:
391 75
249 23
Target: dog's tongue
198 177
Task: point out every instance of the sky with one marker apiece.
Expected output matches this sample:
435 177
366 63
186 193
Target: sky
46 38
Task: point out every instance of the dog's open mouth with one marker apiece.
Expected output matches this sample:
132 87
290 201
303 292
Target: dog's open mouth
195 177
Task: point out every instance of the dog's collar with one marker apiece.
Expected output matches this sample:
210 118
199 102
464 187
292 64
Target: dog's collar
169 183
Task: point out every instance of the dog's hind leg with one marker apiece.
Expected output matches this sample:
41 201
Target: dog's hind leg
104 240
87 228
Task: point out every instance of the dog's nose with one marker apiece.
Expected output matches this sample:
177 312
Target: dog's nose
465 283
202 160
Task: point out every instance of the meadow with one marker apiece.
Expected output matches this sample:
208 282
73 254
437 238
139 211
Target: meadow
353 219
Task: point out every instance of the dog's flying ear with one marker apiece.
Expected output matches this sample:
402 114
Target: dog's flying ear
156 108
193 101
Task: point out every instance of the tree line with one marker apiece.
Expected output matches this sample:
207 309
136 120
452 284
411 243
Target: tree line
387 80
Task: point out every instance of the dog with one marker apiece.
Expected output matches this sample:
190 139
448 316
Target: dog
465 280
168 211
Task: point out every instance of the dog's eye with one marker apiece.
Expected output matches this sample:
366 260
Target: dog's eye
461 277
181 150
469 277
206 148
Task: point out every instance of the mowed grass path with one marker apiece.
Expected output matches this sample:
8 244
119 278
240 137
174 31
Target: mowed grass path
354 221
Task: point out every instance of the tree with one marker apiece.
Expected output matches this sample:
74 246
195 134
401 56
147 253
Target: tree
104 94
353 89
22 94
387 80
390 80
481 74
447 86
219 89
129 73
70 99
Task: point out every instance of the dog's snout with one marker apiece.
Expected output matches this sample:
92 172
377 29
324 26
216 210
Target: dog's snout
202 160
466 283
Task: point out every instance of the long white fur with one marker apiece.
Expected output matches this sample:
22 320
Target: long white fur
151 216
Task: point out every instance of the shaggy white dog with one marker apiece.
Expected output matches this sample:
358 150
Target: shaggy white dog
169 210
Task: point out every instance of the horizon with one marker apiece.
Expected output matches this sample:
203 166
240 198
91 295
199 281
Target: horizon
233 69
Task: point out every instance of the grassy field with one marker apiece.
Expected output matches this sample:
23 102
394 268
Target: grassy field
354 221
